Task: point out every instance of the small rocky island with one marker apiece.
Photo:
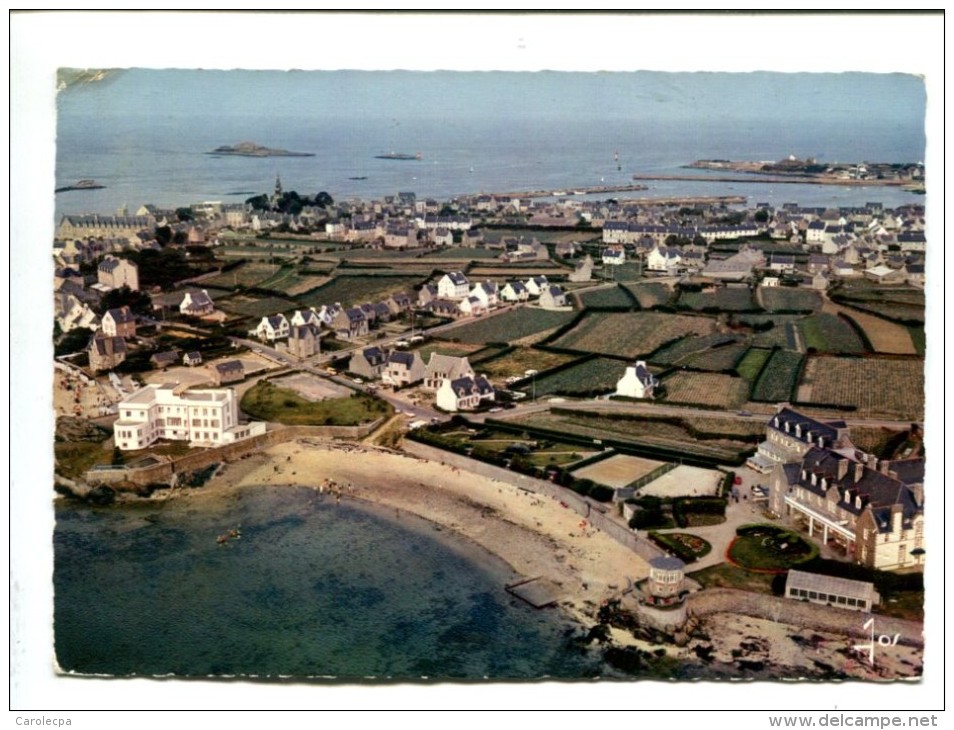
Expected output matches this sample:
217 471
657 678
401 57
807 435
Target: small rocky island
250 149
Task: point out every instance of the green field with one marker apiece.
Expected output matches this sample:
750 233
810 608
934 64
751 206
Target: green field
464 254
721 300
352 290
720 359
706 389
509 326
780 298
751 365
593 377
246 275
258 307
691 345
614 298
778 378
521 359
825 332
268 402
650 294
630 334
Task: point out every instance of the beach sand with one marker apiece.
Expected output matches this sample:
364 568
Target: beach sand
536 536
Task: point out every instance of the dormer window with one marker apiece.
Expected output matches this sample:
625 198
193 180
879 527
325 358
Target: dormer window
814 479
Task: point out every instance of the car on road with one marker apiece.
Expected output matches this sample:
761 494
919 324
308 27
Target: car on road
745 413
402 343
331 371
496 409
357 381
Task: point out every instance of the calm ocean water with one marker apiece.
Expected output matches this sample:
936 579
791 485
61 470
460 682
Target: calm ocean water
143 133
310 589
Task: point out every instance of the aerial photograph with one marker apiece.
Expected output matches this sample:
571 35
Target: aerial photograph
407 376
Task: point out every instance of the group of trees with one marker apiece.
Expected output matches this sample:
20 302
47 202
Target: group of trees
290 202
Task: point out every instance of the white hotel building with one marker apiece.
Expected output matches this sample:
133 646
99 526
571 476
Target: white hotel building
205 417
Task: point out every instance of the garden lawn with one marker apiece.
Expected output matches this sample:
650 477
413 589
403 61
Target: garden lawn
267 402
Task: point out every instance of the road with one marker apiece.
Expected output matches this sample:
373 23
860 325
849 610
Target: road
661 409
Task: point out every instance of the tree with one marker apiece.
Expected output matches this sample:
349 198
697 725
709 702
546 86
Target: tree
163 235
324 200
137 301
184 214
761 215
75 340
258 202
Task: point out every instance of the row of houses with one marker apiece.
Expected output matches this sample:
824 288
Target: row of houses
455 385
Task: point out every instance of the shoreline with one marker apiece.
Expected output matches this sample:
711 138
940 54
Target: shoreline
531 535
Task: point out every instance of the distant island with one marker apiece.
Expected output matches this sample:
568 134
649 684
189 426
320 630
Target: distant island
250 149
81 185
908 175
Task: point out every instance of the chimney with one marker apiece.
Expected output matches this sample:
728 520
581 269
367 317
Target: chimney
896 517
917 492
859 471
842 468
884 466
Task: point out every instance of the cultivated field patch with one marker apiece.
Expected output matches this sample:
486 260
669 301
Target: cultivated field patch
518 361
778 377
509 326
592 377
352 290
824 332
875 386
617 471
783 298
258 306
722 300
650 294
248 274
706 389
630 334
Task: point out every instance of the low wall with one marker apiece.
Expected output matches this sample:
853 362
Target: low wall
590 510
162 473
803 615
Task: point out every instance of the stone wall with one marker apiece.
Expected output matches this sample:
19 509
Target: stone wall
803 615
162 473
598 514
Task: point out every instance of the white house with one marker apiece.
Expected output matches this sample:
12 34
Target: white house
486 292
445 367
463 394
453 285
196 304
552 297
472 306
514 291
663 259
613 256
302 317
272 328
204 416
535 285
637 382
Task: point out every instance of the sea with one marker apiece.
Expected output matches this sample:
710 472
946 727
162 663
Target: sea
310 588
144 134
315 589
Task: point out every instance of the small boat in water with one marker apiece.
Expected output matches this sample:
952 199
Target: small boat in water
399 156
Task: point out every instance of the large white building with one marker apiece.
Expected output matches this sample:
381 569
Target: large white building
204 417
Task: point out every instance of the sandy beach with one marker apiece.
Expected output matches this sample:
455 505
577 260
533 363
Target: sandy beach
534 535
537 536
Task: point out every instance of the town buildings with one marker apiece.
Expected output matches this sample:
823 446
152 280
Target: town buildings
207 417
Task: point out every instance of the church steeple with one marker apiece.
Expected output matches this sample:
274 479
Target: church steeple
278 186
